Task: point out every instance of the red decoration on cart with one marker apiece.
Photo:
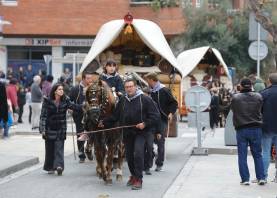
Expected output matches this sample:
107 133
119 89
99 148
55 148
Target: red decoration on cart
128 18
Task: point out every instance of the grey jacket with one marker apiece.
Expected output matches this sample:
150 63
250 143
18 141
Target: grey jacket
36 93
247 107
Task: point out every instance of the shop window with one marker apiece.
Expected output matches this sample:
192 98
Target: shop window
18 55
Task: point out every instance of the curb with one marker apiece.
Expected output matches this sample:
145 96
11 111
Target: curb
17 167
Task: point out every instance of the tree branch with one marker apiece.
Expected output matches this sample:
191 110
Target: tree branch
265 21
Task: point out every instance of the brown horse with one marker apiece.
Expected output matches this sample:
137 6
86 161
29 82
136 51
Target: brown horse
100 103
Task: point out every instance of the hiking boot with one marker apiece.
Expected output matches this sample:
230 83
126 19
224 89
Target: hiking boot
51 172
159 168
245 183
130 181
137 184
147 172
262 182
60 171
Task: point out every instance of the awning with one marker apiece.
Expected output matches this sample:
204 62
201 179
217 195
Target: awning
148 31
189 59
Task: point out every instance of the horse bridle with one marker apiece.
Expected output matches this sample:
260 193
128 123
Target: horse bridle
97 100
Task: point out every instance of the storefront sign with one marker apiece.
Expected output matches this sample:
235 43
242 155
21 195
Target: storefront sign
46 42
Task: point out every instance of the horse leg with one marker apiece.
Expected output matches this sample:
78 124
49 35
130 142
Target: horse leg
109 164
88 149
98 161
121 151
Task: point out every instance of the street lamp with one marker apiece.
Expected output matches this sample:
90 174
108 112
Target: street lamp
2 23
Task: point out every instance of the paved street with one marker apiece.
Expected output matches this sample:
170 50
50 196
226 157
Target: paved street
80 179
184 176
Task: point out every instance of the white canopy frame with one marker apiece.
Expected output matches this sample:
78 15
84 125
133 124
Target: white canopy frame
189 59
149 32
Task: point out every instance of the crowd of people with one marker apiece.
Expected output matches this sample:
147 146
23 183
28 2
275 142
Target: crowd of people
150 112
254 107
26 87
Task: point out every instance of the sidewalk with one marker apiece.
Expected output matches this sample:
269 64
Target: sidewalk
217 175
25 148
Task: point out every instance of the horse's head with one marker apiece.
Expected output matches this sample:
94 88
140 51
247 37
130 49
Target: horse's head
99 102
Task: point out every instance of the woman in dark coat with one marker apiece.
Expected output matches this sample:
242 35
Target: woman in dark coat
53 127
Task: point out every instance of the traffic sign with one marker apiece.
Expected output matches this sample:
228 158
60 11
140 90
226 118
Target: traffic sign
192 100
253 50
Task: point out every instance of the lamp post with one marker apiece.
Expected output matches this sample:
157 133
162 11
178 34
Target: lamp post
3 57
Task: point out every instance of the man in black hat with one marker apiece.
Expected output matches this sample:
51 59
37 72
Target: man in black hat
247 120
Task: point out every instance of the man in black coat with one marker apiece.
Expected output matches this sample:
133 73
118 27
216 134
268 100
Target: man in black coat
77 95
269 126
138 110
247 120
167 106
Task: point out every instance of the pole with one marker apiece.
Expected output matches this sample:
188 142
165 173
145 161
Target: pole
258 50
74 68
73 138
198 119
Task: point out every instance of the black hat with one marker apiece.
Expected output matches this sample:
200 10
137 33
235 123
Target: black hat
246 83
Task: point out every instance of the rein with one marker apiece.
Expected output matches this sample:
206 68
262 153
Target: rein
109 129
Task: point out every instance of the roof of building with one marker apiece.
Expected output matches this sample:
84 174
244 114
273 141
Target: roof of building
81 18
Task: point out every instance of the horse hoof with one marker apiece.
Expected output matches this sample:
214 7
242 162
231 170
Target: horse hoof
109 182
119 178
99 175
89 155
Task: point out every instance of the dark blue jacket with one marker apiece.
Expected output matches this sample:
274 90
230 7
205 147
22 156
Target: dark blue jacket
269 109
113 81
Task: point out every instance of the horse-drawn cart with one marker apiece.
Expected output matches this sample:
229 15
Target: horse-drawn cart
138 46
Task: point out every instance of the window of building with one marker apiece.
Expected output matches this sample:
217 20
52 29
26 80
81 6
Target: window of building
9 2
213 3
25 55
140 1
198 3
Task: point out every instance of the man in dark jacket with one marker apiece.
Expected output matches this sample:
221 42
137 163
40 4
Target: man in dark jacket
269 126
77 95
138 110
167 106
247 120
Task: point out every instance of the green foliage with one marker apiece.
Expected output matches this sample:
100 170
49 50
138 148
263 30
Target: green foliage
218 29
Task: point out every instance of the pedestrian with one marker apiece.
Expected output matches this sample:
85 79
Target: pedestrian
77 95
21 95
29 102
167 106
247 120
36 96
269 127
259 85
214 108
53 128
3 106
29 76
47 85
12 96
139 110
112 78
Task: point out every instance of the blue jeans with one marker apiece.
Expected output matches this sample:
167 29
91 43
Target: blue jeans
267 140
253 138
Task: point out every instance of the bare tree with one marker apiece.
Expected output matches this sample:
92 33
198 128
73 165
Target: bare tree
256 6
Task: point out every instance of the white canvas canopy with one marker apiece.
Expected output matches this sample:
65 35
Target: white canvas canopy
189 59
148 31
